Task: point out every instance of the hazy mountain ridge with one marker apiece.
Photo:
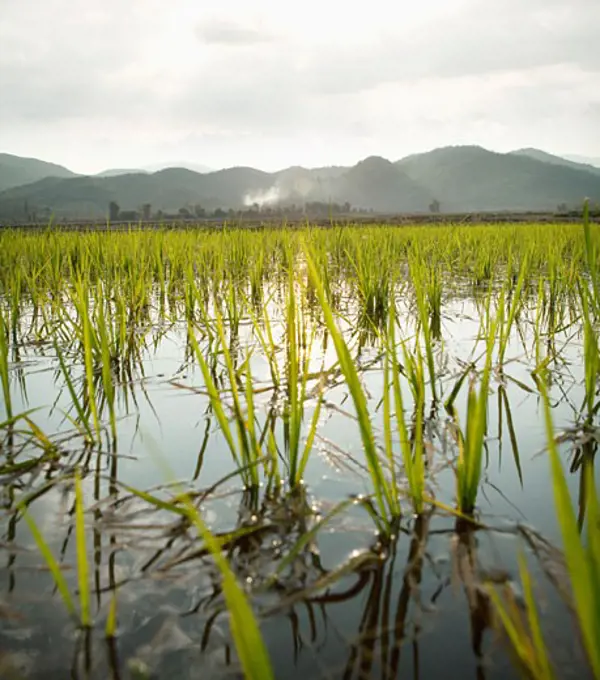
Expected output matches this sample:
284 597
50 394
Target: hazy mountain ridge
460 178
470 178
539 155
16 170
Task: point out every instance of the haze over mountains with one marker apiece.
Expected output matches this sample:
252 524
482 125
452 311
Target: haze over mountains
460 178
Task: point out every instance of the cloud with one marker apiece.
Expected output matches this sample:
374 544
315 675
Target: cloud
116 84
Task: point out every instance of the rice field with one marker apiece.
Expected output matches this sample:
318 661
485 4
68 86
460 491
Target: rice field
343 452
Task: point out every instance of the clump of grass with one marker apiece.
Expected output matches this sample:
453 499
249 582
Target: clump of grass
385 490
4 377
582 557
412 448
471 439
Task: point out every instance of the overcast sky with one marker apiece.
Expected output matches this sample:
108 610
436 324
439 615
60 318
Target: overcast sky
127 83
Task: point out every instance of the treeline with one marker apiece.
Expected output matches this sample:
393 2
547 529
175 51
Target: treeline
312 209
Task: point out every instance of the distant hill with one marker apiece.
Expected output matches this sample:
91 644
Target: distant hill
379 184
461 178
194 167
167 190
556 160
470 178
15 170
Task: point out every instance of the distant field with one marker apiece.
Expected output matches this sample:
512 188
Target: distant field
366 451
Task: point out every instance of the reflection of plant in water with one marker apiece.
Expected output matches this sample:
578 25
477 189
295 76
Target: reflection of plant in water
97 309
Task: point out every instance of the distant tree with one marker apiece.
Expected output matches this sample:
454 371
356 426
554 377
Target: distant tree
146 211
434 206
219 213
346 207
199 211
184 213
562 208
113 211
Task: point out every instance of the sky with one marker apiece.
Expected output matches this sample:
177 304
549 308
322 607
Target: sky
115 84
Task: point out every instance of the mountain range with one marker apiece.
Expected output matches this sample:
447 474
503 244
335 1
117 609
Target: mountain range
457 178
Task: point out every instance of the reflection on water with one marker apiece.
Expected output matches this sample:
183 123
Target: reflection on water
336 598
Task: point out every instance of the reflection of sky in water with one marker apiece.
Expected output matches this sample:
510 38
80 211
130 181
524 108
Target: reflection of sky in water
169 424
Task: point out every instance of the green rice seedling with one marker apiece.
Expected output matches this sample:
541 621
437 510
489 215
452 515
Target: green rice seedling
411 448
591 360
4 377
591 257
106 364
471 439
505 324
418 277
386 493
297 371
217 405
267 344
87 340
434 301
582 557
582 554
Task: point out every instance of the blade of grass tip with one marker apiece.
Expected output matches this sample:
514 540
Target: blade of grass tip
579 567
51 562
82 563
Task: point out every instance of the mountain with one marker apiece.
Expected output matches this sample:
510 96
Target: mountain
15 170
461 178
194 167
539 155
167 190
377 183
470 178
373 183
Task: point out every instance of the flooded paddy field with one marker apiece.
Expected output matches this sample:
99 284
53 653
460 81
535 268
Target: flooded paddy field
352 452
